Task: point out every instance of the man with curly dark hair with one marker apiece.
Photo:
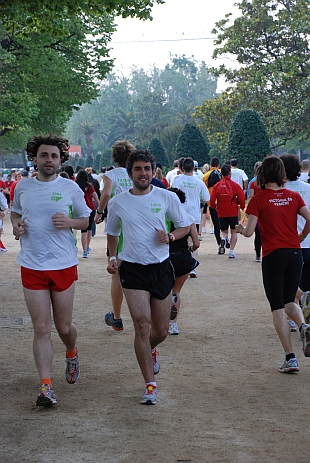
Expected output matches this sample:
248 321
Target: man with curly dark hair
45 210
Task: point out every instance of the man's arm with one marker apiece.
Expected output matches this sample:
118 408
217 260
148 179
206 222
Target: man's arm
104 198
112 246
18 224
61 221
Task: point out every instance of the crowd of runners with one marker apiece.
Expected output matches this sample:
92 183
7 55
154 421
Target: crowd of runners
154 225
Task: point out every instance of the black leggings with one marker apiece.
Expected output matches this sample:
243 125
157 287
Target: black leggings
281 275
257 242
216 225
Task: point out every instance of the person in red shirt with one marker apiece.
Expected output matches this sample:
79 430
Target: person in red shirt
227 196
276 208
92 201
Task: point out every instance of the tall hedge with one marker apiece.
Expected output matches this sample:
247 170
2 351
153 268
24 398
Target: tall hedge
191 143
248 140
158 151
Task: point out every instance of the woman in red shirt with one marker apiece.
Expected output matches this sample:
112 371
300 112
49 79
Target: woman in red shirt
92 201
275 209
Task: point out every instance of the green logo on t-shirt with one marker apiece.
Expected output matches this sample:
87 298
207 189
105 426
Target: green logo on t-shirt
155 208
56 196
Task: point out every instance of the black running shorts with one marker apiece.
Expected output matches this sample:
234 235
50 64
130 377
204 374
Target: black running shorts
157 279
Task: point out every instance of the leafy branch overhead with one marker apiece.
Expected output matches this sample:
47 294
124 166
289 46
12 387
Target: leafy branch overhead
270 45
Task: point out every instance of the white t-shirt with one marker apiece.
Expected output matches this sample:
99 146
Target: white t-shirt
198 174
303 176
120 180
137 216
195 191
3 202
171 174
304 190
44 247
238 176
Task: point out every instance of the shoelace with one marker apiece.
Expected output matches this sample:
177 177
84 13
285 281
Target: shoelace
72 363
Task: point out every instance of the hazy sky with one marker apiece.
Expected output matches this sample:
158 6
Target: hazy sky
178 27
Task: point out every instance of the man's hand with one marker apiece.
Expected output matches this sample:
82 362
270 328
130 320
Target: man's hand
112 267
18 228
60 220
162 236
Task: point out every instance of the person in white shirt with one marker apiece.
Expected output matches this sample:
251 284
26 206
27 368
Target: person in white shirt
305 166
196 193
115 181
238 175
197 172
292 168
146 273
45 211
171 173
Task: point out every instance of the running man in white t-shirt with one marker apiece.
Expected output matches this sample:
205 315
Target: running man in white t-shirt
196 194
45 210
115 181
146 273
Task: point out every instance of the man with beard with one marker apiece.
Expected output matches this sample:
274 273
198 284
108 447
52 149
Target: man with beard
146 273
45 210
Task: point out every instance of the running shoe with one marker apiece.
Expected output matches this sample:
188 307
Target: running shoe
193 274
156 363
222 247
85 254
290 366
200 237
257 259
149 396
173 328
47 397
292 325
88 250
204 230
231 254
305 338
2 247
117 324
305 306
72 372
211 231
227 244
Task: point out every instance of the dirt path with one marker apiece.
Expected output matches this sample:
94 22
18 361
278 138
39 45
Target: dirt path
221 397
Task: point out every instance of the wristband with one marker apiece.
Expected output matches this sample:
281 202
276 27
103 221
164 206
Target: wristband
171 237
241 233
112 258
99 213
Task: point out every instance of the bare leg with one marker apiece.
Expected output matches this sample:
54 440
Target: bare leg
84 241
282 329
38 304
179 282
151 320
116 295
233 239
88 238
294 312
62 308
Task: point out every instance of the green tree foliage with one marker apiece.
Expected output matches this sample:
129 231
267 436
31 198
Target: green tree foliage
96 163
27 16
248 139
106 158
191 143
145 105
270 42
89 161
157 149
